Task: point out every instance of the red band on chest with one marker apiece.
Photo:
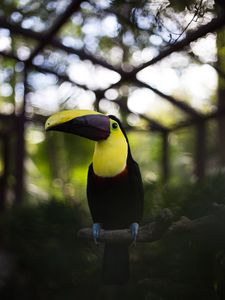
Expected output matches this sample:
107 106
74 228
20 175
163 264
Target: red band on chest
101 179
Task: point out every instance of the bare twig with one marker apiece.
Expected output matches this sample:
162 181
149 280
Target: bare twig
196 14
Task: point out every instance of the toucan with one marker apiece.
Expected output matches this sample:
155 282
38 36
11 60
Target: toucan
114 184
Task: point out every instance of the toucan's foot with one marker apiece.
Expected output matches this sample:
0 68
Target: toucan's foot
96 228
134 227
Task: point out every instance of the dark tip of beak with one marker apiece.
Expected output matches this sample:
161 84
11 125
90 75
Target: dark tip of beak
94 127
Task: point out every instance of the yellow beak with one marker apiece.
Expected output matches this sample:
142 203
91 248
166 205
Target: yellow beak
86 123
67 115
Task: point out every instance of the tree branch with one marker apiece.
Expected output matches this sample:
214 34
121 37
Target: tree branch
148 233
164 227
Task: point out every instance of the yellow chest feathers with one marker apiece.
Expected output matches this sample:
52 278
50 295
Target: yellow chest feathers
110 155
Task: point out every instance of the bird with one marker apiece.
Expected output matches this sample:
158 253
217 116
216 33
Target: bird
114 183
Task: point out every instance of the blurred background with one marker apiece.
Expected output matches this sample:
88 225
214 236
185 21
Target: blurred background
159 66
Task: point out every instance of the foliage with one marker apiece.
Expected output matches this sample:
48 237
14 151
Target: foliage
189 199
187 266
45 260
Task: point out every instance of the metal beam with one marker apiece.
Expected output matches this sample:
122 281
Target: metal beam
200 150
43 69
20 145
154 125
63 77
84 55
4 176
178 103
220 72
219 113
165 156
125 76
212 26
60 21
100 93
215 24
16 29
10 56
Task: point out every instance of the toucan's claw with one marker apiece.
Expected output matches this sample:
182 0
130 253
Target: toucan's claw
134 227
96 228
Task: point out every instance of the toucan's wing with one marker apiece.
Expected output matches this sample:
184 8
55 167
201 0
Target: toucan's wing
136 190
92 198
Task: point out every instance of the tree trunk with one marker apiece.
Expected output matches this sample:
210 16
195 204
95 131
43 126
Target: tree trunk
221 96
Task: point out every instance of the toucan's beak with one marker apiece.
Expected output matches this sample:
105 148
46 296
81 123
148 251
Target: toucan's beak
86 123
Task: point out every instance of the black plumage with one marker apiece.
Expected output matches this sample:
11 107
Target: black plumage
116 203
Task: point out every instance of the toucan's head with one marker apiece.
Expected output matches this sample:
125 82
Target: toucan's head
86 123
111 149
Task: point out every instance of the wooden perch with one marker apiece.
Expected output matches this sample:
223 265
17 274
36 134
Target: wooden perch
148 233
163 226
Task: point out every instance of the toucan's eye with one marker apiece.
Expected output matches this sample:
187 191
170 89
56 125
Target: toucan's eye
114 125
